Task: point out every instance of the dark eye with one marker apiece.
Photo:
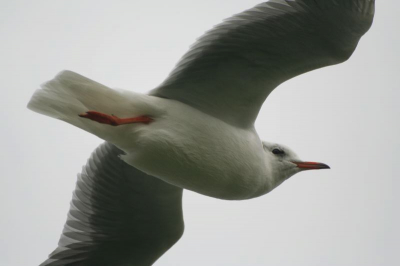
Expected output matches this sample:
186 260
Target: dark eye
278 152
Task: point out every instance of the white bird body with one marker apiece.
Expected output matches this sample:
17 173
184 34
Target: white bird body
195 131
183 145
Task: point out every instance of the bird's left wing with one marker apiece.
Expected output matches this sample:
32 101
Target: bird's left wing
229 72
118 216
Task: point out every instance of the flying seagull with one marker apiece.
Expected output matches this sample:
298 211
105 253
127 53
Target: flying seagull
195 131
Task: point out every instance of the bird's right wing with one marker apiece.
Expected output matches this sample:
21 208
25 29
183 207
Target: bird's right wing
118 215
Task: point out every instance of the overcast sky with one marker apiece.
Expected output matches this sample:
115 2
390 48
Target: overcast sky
346 116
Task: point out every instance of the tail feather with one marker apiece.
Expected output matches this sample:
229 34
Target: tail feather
54 100
70 94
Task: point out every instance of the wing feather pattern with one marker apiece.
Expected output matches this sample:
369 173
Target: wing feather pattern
118 215
229 71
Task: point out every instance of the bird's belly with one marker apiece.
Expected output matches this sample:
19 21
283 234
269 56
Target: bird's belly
201 153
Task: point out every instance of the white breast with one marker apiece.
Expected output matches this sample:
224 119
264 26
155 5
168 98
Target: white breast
198 152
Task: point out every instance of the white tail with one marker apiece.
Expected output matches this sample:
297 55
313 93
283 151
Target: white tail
70 94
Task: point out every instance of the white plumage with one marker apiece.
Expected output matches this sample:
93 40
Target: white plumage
183 146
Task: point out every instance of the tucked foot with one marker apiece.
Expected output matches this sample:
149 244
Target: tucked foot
114 120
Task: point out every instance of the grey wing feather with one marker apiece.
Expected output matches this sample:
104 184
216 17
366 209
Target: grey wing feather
118 215
229 72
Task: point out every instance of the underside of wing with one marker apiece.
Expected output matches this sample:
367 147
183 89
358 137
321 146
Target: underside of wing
229 71
118 215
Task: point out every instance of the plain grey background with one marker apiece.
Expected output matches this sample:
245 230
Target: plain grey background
346 116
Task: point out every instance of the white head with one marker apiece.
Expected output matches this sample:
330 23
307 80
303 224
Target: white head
284 163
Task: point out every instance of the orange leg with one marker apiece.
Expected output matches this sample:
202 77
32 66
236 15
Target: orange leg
114 120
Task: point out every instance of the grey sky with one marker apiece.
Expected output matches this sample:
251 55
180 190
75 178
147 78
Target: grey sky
346 116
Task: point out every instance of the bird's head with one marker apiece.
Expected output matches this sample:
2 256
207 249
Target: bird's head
284 162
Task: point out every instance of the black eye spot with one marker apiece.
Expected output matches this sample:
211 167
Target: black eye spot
278 152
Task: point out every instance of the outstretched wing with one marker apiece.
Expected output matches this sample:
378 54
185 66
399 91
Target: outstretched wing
118 215
229 72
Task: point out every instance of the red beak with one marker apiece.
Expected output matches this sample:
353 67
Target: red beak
311 165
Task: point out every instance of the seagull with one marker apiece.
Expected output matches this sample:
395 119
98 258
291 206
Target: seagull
195 131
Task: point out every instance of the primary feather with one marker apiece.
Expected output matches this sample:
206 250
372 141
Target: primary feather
118 215
231 70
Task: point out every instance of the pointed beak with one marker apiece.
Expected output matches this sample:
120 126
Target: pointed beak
311 165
